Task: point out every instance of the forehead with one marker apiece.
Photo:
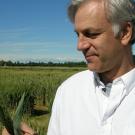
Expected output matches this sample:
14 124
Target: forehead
91 14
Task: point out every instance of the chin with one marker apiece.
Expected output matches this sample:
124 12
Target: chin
91 68
94 68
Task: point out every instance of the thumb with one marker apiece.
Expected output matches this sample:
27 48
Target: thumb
27 130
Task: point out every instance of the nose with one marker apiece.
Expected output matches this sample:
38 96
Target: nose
83 43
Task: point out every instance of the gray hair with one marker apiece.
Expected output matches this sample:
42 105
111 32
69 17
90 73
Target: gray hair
117 11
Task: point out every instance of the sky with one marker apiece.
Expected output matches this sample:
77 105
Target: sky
37 30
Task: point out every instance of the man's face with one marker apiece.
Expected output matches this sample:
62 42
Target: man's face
102 51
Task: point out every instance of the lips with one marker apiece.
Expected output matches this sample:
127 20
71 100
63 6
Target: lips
90 58
90 55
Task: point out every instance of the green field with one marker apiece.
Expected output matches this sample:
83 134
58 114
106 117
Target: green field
40 83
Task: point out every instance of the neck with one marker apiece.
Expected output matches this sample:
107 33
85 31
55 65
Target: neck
126 65
109 76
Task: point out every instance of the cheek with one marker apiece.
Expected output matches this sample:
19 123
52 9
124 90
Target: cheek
109 46
110 55
107 54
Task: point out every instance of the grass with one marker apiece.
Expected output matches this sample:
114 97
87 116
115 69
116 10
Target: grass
41 83
39 123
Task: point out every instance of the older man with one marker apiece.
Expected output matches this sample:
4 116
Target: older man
101 100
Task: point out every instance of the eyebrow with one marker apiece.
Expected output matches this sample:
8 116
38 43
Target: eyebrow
90 29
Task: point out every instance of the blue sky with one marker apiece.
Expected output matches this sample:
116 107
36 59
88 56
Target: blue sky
36 30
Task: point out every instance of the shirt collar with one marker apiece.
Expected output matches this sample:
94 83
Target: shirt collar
97 80
127 79
105 88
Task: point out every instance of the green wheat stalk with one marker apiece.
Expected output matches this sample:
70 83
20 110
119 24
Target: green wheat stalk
13 125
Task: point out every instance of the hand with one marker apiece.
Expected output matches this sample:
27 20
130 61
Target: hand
26 130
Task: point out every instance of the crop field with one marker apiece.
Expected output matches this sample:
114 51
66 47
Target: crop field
40 83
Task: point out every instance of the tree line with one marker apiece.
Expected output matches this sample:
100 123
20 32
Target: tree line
61 64
30 63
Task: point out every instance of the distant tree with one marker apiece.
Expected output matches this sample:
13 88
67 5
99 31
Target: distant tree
2 62
9 63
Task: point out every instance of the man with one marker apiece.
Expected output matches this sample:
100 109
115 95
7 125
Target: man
101 100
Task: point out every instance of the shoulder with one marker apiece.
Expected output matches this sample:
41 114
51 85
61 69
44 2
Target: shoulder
77 82
76 87
81 77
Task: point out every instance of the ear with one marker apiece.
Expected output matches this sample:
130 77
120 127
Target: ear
126 34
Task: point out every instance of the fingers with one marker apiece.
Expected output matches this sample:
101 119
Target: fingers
4 132
26 130
30 134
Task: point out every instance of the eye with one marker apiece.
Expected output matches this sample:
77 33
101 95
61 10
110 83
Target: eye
91 34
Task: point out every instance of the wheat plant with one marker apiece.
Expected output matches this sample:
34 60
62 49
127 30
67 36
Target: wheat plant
13 125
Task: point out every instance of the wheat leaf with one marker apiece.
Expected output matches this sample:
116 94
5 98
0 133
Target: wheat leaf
18 116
